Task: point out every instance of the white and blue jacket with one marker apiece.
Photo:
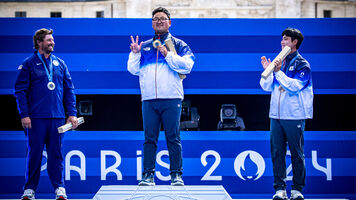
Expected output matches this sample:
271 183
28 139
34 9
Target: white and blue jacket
295 100
159 75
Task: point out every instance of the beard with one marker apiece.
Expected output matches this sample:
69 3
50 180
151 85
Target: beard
48 49
161 29
161 32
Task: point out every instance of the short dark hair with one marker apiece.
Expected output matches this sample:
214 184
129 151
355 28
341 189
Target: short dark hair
161 9
294 34
40 35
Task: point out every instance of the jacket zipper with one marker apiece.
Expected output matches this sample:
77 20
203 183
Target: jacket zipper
279 104
156 74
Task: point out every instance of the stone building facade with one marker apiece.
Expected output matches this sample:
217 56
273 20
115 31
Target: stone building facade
179 9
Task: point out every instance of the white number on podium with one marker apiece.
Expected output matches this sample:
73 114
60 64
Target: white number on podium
208 176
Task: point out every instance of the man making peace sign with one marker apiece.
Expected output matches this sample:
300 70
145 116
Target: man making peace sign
161 92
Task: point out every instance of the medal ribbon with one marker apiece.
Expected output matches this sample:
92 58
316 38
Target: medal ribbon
50 72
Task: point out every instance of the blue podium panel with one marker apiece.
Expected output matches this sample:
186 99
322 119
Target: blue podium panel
162 192
239 161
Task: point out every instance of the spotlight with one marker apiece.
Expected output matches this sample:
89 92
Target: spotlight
85 108
228 113
189 117
229 119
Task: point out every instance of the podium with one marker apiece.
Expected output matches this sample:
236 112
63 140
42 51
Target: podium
162 192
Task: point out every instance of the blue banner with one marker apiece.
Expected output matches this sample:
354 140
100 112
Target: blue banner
240 161
329 47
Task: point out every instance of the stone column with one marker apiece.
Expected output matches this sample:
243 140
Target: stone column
138 8
288 8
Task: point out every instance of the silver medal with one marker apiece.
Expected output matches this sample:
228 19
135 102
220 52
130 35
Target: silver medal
51 85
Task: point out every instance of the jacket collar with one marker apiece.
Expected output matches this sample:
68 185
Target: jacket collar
291 56
162 37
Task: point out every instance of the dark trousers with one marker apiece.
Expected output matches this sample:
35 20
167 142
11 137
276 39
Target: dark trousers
155 112
44 132
291 132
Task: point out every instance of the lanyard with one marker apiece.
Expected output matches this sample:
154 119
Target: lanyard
50 72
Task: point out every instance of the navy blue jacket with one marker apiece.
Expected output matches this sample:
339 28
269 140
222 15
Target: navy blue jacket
34 99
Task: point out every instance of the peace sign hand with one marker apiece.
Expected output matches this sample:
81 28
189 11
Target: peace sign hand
135 47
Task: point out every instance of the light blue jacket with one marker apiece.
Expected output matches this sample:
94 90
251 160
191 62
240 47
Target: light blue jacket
159 75
295 100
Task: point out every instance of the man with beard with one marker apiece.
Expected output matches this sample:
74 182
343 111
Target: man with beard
45 94
161 84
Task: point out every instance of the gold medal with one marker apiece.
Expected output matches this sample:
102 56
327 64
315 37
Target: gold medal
156 43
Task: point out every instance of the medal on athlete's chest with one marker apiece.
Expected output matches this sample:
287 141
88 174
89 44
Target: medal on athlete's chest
49 71
51 86
281 89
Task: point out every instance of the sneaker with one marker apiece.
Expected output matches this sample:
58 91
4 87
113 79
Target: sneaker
147 180
280 195
296 195
61 193
176 179
28 194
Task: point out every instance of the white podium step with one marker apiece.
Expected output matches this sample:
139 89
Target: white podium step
162 192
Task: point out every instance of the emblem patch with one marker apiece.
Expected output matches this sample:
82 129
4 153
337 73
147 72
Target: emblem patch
55 63
301 75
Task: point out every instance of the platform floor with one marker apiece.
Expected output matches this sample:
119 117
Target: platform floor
233 199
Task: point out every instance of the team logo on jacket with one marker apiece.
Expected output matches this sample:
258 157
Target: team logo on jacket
55 63
146 48
291 68
301 75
